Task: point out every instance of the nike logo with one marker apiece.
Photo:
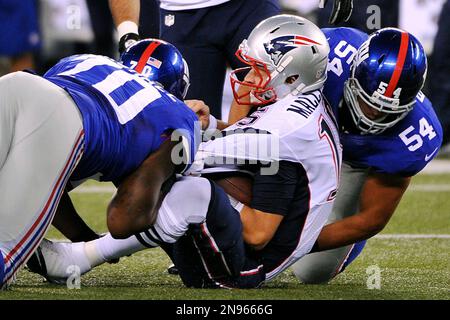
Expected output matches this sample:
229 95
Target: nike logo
428 157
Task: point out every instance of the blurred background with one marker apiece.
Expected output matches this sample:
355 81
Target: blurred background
37 33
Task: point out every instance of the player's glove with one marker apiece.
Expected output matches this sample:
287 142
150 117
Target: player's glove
127 40
342 10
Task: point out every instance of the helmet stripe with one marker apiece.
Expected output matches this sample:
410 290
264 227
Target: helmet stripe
307 40
146 55
404 44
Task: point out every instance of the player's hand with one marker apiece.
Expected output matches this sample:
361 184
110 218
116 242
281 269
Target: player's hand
127 40
201 109
342 10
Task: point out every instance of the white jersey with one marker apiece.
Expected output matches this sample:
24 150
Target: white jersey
177 5
295 129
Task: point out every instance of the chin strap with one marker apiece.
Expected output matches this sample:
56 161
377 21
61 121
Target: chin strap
275 74
299 89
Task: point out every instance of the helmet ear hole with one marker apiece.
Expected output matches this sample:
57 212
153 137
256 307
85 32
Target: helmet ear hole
292 79
381 59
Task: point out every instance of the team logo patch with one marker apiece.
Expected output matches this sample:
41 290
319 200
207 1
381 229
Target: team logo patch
278 47
169 20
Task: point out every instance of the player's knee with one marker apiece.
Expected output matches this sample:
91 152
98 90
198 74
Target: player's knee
315 269
115 227
197 190
187 203
314 276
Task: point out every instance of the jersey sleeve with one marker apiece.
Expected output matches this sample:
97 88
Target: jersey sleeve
183 126
344 44
403 150
65 64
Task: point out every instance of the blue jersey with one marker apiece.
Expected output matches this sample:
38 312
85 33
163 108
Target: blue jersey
406 148
125 116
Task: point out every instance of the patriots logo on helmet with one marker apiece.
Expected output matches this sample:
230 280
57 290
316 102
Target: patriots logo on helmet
278 47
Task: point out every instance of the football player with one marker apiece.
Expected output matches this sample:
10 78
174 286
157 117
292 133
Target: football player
389 133
287 58
88 116
188 24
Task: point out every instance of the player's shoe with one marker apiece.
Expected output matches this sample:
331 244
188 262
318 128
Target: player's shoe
172 269
57 261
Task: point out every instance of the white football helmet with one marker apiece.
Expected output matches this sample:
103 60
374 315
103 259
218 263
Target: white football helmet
293 53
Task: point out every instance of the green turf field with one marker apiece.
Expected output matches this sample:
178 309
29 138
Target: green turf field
410 268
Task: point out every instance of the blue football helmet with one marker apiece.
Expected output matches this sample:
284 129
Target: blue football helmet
161 62
388 72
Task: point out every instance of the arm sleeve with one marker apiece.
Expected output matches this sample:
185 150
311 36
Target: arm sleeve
275 193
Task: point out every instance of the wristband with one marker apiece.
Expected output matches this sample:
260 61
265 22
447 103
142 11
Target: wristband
212 123
127 27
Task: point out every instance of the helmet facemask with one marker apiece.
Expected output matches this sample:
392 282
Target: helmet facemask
392 111
271 84
287 56
256 92
387 74
186 81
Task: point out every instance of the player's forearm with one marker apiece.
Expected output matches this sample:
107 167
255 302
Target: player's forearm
347 231
125 10
380 197
134 207
258 227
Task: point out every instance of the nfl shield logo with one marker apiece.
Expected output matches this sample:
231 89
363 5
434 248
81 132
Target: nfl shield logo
169 20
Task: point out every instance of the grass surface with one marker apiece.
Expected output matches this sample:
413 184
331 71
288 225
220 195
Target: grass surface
410 268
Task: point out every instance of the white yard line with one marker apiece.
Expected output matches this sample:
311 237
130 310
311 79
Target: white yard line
437 166
412 236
